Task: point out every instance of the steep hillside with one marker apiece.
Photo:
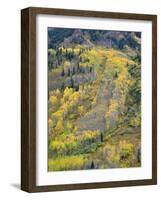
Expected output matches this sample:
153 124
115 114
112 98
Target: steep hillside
94 114
66 37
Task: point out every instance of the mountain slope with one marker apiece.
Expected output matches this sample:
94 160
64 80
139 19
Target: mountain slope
94 99
58 37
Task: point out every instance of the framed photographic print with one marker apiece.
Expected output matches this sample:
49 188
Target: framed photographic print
88 99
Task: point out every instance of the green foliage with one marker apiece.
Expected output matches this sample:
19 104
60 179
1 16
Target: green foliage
136 120
86 142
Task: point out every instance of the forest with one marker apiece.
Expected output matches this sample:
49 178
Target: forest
94 99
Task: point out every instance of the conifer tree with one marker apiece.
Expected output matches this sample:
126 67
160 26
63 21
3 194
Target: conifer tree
92 165
62 73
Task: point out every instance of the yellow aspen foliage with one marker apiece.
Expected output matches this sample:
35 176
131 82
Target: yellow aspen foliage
57 92
80 110
56 145
66 163
65 107
90 134
66 64
69 125
123 145
50 126
74 97
59 126
57 114
67 93
53 100
50 123
75 129
113 106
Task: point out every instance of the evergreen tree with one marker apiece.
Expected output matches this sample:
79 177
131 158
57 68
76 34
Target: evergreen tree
72 82
62 73
57 52
92 165
138 155
73 71
78 68
101 137
66 53
116 75
77 88
68 72
60 51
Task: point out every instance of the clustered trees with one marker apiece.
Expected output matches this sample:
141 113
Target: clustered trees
73 100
